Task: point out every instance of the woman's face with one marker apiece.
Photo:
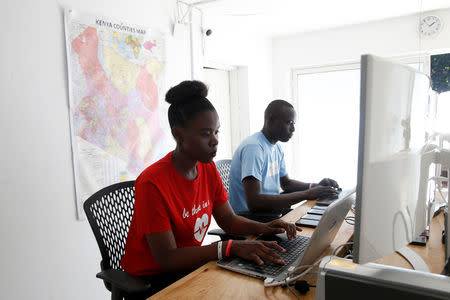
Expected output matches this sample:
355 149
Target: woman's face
200 138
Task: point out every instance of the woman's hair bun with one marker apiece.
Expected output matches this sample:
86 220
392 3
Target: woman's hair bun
186 91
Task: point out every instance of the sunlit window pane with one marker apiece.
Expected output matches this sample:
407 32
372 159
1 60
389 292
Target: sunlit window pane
328 126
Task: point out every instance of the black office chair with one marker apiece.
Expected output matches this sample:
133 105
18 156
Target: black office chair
224 166
109 213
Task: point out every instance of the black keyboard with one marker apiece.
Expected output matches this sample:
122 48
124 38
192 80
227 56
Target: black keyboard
328 197
294 248
327 200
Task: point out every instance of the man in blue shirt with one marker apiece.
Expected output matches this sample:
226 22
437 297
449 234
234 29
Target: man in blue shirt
258 171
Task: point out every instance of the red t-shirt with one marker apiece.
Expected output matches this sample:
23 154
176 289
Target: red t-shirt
165 200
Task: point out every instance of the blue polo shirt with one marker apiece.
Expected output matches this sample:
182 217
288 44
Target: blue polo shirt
256 157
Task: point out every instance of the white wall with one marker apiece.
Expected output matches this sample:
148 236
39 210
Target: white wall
250 51
390 37
46 253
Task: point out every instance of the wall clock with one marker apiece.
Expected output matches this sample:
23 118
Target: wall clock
430 26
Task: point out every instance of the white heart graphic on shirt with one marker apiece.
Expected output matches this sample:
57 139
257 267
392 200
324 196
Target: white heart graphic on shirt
200 227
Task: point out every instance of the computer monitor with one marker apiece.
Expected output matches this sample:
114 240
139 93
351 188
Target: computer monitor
389 209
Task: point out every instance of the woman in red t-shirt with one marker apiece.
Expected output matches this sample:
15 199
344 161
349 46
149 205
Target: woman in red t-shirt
176 196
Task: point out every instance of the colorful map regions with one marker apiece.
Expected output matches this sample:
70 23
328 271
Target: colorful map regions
115 79
117 111
134 43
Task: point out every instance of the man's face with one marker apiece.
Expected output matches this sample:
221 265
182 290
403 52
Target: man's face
283 124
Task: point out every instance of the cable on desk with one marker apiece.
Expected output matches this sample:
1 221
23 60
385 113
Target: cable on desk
337 248
302 286
350 220
305 267
293 293
289 280
309 268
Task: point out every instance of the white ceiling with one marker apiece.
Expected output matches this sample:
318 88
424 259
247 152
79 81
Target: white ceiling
283 17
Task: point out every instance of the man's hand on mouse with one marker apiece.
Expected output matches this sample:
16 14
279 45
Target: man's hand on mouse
321 191
330 182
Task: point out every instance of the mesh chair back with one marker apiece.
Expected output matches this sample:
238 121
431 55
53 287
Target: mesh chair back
109 213
223 166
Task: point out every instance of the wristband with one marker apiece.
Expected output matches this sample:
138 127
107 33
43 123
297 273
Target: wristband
227 251
219 250
311 185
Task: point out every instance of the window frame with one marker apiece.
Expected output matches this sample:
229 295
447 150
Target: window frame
419 58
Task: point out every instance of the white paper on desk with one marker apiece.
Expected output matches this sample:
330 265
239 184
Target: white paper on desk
298 204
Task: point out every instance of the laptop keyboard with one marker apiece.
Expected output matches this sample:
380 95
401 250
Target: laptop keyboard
294 248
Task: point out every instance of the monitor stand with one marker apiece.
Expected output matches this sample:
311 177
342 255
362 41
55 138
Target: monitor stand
414 259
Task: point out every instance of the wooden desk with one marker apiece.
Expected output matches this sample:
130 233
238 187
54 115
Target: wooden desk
211 282
433 253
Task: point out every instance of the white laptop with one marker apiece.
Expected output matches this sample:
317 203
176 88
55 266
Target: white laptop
302 250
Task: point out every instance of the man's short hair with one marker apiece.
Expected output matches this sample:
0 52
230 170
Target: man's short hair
275 107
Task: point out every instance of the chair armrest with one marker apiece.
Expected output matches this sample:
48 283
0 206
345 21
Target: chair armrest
260 216
225 236
124 281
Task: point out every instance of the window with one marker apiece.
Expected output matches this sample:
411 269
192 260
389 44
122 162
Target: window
327 124
326 141
440 82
